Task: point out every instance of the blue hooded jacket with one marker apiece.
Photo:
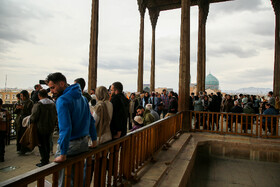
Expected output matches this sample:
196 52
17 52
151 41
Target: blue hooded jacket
74 117
270 111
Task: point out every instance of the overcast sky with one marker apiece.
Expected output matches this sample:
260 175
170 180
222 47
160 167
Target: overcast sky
46 36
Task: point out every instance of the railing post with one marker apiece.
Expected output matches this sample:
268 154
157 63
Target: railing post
96 169
88 171
55 179
68 175
41 182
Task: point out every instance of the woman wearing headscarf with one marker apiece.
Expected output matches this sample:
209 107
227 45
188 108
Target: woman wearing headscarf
22 110
102 113
133 104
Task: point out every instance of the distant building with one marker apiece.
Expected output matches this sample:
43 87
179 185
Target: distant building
192 88
211 85
211 82
146 87
159 90
9 95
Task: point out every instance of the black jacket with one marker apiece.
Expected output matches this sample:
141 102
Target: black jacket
120 114
173 105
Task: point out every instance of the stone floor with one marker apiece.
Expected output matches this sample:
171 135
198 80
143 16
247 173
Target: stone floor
15 164
222 172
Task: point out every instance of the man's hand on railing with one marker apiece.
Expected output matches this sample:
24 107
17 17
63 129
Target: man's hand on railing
118 135
93 144
60 158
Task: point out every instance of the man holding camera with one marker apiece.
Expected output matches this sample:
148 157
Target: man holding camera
34 94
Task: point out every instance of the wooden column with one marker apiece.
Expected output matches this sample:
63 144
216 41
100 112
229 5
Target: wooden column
184 69
276 77
201 49
142 9
154 13
93 48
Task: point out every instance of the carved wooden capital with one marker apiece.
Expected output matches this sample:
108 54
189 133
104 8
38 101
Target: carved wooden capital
276 6
142 5
154 13
204 7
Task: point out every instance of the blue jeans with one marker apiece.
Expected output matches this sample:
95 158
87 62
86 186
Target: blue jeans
75 147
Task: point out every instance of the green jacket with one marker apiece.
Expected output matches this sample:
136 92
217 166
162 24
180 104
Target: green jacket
148 117
248 110
44 116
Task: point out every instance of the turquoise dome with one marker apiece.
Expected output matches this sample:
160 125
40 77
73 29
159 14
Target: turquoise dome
211 82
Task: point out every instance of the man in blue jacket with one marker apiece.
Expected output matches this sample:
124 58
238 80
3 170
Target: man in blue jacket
270 110
74 119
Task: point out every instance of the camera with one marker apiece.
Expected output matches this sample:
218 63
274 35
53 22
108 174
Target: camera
42 82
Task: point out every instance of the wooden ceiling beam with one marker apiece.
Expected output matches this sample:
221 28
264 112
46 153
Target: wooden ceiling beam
163 5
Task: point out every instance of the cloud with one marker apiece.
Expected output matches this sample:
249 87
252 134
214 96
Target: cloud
118 64
232 49
268 44
240 30
264 27
14 18
248 75
261 73
122 66
168 50
230 7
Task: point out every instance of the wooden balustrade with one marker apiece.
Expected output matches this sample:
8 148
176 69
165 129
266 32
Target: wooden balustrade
112 163
116 162
254 125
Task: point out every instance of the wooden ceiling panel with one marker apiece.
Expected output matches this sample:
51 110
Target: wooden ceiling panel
173 4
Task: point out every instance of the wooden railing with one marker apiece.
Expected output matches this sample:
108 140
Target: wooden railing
253 125
114 162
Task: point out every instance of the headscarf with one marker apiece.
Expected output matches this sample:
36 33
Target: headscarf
101 110
102 93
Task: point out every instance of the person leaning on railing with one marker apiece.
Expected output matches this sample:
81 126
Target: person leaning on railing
270 110
154 113
248 109
74 119
102 113
146 114
237 109
120 103
173 104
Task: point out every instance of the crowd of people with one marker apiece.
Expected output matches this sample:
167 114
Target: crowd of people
248 104
151 107
82 120
85 120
